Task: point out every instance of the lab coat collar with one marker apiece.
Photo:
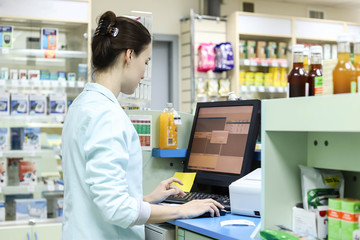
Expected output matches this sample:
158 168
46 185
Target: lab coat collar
101 89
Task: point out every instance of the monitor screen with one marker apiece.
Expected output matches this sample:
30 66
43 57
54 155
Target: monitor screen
223 140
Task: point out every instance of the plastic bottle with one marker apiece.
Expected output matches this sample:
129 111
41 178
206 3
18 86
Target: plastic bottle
315 78
306 59
357 58
297 78
168 128
344 74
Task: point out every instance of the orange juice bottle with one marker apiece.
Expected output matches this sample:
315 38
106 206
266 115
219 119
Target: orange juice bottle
168 128
357 57
344 74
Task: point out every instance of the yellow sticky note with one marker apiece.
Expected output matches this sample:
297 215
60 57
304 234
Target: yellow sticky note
186 178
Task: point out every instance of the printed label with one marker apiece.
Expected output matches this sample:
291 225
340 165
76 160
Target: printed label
353 87
318 86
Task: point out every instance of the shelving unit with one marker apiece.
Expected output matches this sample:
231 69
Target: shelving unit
292 30
197 29
73 21
289 129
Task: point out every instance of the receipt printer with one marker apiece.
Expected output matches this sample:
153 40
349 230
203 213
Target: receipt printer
245 194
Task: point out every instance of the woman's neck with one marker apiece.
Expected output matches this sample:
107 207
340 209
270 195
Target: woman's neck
109 80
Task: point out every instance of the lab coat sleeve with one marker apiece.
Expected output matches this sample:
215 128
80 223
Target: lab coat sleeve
106 152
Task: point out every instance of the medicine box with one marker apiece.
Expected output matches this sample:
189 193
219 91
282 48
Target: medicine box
49 38
30 208
261 49
4 73
4 103
3 175
31 139
282 50
82 72
3 139
6 36
27 173
34 75
37 104
19 104
251 49
57 104
2 211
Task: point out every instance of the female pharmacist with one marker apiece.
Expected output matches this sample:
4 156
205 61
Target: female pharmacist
102 156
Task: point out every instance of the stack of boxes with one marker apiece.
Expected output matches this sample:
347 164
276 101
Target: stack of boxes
343 218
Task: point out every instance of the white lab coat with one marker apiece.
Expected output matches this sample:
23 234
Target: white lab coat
102 165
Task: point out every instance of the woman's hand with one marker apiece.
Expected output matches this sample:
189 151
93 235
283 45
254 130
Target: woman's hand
195 208
164 190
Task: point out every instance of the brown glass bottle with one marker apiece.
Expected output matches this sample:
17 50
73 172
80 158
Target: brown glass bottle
315 79
344 75
297 78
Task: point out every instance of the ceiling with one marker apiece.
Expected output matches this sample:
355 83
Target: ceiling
326 3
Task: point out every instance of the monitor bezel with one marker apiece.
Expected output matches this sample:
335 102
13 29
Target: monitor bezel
219 179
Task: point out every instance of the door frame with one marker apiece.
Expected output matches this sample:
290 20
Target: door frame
173 41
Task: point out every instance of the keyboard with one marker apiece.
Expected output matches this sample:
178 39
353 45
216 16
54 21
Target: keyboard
222 199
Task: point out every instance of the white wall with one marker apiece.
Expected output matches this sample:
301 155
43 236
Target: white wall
289 9
166 13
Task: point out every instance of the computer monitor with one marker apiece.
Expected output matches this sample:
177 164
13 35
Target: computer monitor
222 142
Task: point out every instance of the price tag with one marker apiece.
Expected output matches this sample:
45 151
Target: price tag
46 83
49 54
252 89
24 83
36 83
246 62
61 187
15 83
2 82
264 63
31 189
261 88
80 84
71 84
5 51
62 83
51 187
272 89
54 83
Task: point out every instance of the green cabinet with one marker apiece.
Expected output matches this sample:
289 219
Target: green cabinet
34 232
322 132
183 234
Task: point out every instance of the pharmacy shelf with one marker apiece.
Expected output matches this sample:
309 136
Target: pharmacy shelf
264 62
254 89
30 222
8 190
46 121
169 153
34 84
27 153
12 52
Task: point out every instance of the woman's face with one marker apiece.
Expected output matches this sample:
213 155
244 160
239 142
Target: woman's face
135 70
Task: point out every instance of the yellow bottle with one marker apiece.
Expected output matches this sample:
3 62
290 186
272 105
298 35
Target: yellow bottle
168 128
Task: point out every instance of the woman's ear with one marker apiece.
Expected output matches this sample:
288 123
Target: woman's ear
129 54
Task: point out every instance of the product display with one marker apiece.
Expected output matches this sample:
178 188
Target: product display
344 74
6 36
297 78
168 128
315 77
206 57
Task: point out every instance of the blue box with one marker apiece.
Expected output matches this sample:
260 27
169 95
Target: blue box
6 36
30 208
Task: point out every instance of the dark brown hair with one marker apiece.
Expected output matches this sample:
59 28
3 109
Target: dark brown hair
106 46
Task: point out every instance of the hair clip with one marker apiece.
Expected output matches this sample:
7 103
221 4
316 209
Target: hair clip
113 31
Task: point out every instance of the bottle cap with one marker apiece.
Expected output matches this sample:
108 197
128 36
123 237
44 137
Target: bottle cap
169 105
298 48
316 49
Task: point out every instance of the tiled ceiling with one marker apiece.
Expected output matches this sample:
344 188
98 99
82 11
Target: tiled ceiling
326 3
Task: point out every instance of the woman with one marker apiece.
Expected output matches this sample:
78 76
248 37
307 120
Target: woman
101 151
